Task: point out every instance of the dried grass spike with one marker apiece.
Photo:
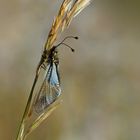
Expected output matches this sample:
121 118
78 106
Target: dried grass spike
76 8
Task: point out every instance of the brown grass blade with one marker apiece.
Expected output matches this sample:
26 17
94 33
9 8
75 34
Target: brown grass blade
77 7
42 117
68 10
57 24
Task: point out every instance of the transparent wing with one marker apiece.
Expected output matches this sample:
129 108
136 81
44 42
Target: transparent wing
50 89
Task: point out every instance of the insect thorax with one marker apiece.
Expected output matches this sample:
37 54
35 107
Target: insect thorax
50 56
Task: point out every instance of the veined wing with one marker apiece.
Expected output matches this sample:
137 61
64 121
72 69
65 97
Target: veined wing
68 10
50 89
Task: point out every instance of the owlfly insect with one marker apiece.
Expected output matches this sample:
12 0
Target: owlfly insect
39 104
50 89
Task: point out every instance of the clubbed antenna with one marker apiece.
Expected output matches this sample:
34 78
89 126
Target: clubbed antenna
76 37
62 42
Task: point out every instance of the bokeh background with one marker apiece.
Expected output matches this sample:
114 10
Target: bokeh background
100 81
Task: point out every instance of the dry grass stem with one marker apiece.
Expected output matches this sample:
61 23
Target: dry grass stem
31 120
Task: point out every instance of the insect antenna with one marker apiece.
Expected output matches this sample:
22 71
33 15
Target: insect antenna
62 42
74 37
68 46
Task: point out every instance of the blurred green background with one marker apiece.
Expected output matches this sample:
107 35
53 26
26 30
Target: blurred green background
100 81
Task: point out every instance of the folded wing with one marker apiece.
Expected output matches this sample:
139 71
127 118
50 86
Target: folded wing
50 89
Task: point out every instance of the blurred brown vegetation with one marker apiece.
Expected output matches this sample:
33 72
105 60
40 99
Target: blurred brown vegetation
100 81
